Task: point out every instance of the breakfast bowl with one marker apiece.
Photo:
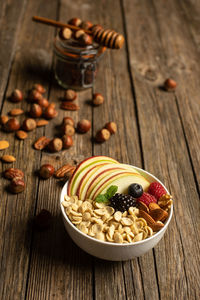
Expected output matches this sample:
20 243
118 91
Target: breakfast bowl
109 250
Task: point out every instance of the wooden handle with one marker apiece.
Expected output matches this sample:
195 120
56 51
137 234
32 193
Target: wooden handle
108 38
57 24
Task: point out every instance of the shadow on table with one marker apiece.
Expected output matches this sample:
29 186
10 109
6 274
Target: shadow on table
54 247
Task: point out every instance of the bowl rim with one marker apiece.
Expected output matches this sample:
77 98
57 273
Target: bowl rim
112 243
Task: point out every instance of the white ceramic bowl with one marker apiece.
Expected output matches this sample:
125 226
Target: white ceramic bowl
108 250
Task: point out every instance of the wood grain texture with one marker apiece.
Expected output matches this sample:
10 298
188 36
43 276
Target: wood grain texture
165 149
17 211
158 131
67 269
11 13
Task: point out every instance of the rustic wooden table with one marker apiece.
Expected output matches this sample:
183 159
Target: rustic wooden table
158 131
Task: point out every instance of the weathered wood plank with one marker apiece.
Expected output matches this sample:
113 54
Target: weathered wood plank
120 106
67 269
155 45
11 13
17 211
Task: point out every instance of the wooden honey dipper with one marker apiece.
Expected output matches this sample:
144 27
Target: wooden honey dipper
105 37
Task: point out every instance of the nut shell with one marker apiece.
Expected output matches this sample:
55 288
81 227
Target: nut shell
17 185
8 158
46 171
21 135
16 96
83 126
34 95
29 124
68 130
70 95
102 135
55 145
97 99
67 141
170 84
39 88
11 125
13 173
68 121
35 110
112 127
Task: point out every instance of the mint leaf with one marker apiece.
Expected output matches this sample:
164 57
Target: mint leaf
111 191
101 198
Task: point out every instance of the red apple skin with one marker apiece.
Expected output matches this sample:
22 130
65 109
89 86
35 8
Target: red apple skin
78 168
115 175
80 184
99 174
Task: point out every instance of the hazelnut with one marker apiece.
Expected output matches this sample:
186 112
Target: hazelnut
68 130
43 220
112 127
67 141
43 102
50 112
16 96
35 110
17 185
79 33
55 145
102 135
83 126
34 95
170 85
70 95
46 171
65 33
75 22
39 88
3 120
98 99
29 124
11 125
86 25
68 121
21 135
85 39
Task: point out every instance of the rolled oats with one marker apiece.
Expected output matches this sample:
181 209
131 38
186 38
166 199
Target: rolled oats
104 223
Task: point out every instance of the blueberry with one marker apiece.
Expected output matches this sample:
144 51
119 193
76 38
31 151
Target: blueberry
135 190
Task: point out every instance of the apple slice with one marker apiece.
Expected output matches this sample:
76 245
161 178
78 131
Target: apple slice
91 180
82 169
122 180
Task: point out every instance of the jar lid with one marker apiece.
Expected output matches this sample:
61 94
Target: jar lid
71 48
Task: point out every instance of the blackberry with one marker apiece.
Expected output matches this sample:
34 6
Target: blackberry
122 202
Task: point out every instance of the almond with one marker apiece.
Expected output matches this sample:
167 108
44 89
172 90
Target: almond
158 214
16 112
153 206
69 106
4 145
8 158
156 226
41 123
21 135
141 205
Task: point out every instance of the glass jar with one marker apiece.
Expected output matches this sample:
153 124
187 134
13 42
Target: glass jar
76 66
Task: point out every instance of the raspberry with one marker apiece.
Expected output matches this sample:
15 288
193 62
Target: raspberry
156 189
122 202
146 198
